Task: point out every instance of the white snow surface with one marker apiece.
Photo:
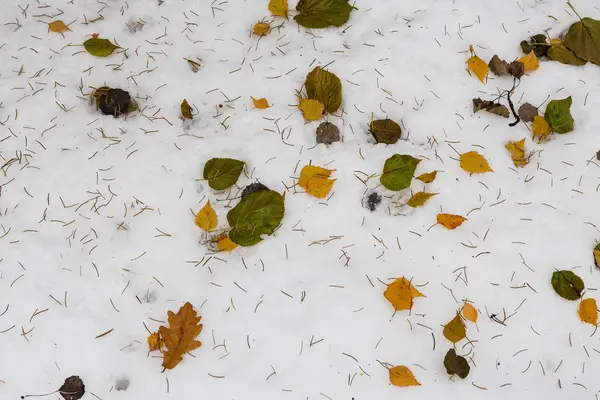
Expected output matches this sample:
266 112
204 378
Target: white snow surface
83 197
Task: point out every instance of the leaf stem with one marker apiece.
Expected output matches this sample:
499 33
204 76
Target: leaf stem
574 10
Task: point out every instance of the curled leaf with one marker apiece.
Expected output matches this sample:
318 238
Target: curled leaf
456 365
186 110
517 153
402 376
261 103
420 198
401 293
474 163
155 342
427 177
316 181
58 26
206 218
491 107
588 311
450 221
312 110
455 330
261 29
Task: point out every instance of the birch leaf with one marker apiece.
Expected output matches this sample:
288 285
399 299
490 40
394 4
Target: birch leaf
450 221
401 293
402 376
517 153
588 311
477 66
261 103
474 163
279 8
420 198
58 26
427 177
207 217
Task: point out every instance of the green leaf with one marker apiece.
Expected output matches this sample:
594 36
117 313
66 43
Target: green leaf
99 47
558 115
456 365
385 131
568 285
258 213
326 87
583 39
560 53
398 171
222 173
323 13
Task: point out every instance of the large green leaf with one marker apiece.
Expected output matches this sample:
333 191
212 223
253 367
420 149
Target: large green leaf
324 86
398 171
99 47
568 285
323 13
558 115
456 364
385 131
257 214
222 173
583 38
559 52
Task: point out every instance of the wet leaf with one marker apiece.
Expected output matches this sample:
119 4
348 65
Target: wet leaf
385 131
450 221
155 342
401 293
326 87
491 107
530 62
316 181
279 8
559 52
222 173
588 311
186 110
261 29
206 218
567 285
317 14
226 244
398 171
58 26
456 365
328 133
540 127
402 376
455 330
179 337
583 39
517 153
597 256
428 177
257 214
477 66
527 112
419 198
99 47
312 110
261 103
469 312
72 389
474 163
558 115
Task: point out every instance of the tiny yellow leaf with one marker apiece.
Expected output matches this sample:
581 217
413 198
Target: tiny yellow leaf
517 152
311 109
186 110
261 29
474 163
588 311
261 103
279 8
401 293
530 61
455 330
403 377
540 127
207 217
58 26
311 171
597 257
319 187
469 312
154 341
428 177
226 244
450 221
419 198
477 66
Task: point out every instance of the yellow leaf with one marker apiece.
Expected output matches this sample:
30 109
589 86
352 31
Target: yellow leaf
319 187
58 26
530 61
477 65
428 177
279 8
419 198
311 171
207 217
401 293
450 221
186 110
556 41
311 109
469 312
540 127
179 337
588 311
474 163
597 257
260 103
154 341
261 29
517 152
455 330
226 244
403 377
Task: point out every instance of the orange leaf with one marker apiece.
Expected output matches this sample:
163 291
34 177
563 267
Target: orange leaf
207 217
179 337
261 29
312 110
474 163
530 61
279 8
226 244
311 171
540 127
401 293
455 330
469 312
154 341
58 26
588 311
477 65
319 187
420 198
402 376
261 103
95 35
450 221
428 177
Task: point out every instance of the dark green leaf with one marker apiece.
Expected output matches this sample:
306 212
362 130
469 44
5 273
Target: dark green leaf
398 171
323 13
258 213
583 39
558 115
222 173
99 47
326 87
456 365
568 285
560 53
385 131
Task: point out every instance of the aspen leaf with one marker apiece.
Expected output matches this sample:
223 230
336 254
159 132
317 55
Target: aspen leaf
226 244
597 254
456 365
207 217
477 65
324 86
222 173
474 163
540 127
455 330
567 284
179 337
419 198
279 8
450 221
257 214
427 177
99 47
58 26
398 171
401 293
261 29
385 131
316 181
316 14
402 376
558 115
559 52
312 110
186 110
517 152
583 38
530 61
588 311
469 312
154 341
261 103
311 171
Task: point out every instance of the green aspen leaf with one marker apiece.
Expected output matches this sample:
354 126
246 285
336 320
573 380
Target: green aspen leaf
559 52
567 285
257 214
222 173
385 131
456 365
325 87
99 47
583 39
398 171
316 14
558 115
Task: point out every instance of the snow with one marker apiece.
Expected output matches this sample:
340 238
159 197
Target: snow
85 198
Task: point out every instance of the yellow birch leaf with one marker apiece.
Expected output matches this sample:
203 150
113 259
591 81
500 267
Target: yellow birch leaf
477 66
226 244
588 312
540 127
207 217
279 8
517 152
428 177
450 221
154 341
419 198
469 312
401 293
261 103
403 377
530 61
311 171
311 109
58 26
474 163
319 187
455 330
261 29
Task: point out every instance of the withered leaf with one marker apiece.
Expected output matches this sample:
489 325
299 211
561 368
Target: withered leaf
328 133
385 131
420 198
72 389
491 107
186 110
155 342
500 67
427 177
527 112
597 248
179 337
456 365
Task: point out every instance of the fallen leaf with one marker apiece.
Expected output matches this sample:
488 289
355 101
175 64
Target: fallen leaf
328 133
312 110
385 131
155 342
179 337
456 365
558 115
317 14
559 52
538 43
469 312
597 252
491 107
226 244
99 47
477 65
540 127
517 153
402 376
279 8
567 284
527 112
311 171
419 198
428 177
474 163
583 39
500 67
261 103
450 221
398 171
58 26
324 86
194 65
530 61
206 218
588 311
186 110
401 293
222 173
253 187
316 181
455 330
257 214
114 101
72 389
261 29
